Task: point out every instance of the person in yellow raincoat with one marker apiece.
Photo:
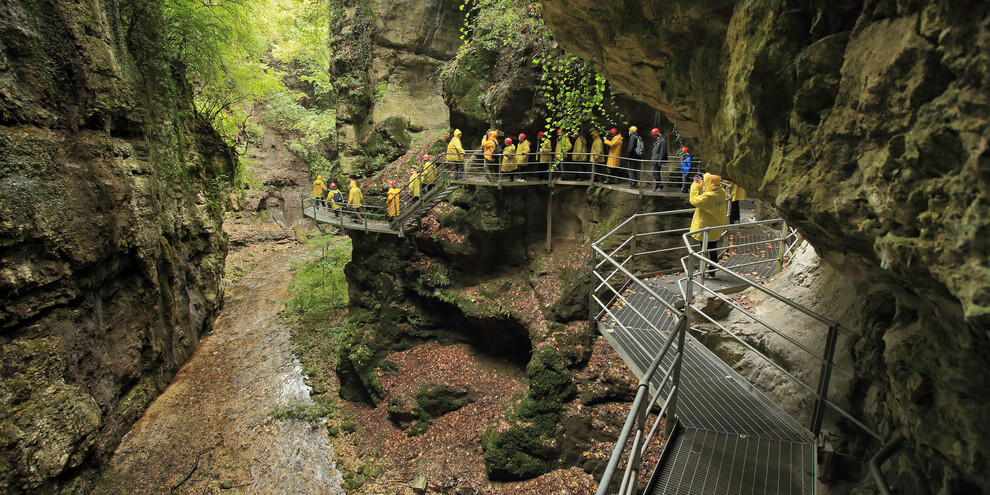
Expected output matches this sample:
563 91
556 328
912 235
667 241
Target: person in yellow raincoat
429 173
392 205
335 198
355 199
414 184
509 159
614 152
738 194
546 147
522 156
455 154
708 196
319 188
488 145
578 156
561 153
596 157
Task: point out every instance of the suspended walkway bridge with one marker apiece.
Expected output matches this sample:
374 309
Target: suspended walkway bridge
577 170
718 434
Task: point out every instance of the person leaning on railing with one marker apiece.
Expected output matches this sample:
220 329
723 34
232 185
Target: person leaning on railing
708 197
355 199
563 147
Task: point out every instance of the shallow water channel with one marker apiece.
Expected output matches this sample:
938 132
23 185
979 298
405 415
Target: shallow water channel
219 405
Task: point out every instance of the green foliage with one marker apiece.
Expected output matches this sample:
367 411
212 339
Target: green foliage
574 95
318 287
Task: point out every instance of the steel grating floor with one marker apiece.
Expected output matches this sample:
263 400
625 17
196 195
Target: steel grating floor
712 463
733 439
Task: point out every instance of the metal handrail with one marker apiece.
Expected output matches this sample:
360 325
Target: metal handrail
827 364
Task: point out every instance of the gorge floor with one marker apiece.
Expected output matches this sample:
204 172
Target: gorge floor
214 421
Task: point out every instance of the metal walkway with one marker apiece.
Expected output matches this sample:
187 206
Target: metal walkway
729 438
572 173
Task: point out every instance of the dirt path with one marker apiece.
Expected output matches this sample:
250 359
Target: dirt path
219 405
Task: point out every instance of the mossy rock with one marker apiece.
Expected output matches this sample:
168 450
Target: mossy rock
439 400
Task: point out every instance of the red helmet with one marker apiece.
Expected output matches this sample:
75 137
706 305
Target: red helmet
391 182
539 134
426 157
684 149
560 131
655 131
613 131
508 140
522 137
412 170
333 185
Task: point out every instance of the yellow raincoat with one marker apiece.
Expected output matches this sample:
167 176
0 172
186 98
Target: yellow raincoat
429 173
488 144
355 198
455 152
545 149
579 150
319 187
709 199
393 202
522 153
414 184
509 159
596 148
614 150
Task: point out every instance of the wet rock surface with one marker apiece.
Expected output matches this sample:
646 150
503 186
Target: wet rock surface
111 250
218 409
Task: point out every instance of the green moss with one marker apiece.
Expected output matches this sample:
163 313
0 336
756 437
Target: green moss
531 445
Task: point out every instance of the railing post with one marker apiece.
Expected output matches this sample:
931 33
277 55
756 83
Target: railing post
679 334
549 217
703 266
635 235
782 249
818 413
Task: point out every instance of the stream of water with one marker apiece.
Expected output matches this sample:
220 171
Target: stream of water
219 407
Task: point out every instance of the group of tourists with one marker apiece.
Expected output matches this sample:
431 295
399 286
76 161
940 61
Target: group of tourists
330 197
567 157
574 156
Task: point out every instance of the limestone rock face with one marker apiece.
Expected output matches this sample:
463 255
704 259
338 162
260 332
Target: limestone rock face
109 231
865 124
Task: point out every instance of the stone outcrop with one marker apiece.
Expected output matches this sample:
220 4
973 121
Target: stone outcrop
110 234
865 124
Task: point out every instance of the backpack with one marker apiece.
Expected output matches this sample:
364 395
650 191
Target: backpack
337 197
686 164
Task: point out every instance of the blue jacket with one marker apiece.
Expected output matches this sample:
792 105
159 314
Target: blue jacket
686 163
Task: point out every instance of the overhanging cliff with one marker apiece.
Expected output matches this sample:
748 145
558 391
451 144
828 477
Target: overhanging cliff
865 124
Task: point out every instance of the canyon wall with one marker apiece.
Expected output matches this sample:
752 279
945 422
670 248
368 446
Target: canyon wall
865 124
111 250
